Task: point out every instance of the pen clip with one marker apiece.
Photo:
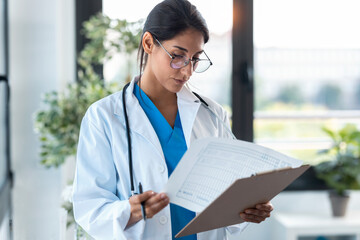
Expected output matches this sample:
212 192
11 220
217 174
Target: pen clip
140 188
142 203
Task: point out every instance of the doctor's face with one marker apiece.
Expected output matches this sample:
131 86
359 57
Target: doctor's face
188 44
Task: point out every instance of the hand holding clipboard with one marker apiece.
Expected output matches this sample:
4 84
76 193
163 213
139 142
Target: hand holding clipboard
214 167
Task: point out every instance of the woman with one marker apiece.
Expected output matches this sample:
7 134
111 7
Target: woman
164 118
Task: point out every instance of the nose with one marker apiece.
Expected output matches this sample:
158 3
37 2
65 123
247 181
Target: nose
188 70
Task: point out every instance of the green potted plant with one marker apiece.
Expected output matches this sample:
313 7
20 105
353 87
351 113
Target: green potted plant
341 168
58 122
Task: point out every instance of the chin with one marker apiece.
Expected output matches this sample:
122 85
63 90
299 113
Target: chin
176 89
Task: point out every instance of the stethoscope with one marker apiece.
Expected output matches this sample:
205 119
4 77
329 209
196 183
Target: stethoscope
129 137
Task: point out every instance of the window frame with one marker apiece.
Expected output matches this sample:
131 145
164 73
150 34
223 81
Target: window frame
243 65
243 86
5 189
84 9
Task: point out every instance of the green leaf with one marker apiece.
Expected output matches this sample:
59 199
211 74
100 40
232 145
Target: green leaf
342 171
331 133
58 121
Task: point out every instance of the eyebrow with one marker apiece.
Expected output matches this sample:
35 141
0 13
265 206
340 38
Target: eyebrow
185 50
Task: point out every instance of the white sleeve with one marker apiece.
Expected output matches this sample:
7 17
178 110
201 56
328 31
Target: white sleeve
97 208
226 128
237 228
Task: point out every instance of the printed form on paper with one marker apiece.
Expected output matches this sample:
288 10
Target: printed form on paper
212 164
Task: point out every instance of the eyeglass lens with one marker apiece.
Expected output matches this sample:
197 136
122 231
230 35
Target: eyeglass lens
199 65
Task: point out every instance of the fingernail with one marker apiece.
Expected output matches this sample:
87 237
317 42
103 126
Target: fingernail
162 196
248 211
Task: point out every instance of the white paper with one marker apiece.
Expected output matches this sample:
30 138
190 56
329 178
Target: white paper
212 164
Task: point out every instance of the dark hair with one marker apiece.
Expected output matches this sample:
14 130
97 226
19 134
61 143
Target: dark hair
168 19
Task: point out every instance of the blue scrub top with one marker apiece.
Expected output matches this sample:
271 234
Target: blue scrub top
174 146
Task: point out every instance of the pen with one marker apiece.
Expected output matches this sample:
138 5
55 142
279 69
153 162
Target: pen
142 203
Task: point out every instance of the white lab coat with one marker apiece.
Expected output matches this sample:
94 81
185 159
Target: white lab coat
102 184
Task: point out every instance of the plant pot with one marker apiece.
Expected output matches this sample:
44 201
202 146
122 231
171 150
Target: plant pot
338 204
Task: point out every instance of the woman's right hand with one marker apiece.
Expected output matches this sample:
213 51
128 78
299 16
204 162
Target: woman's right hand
154 203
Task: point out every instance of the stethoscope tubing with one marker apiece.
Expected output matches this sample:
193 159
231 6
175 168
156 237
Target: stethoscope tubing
128 140
129 136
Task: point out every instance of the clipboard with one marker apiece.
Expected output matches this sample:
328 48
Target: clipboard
242 194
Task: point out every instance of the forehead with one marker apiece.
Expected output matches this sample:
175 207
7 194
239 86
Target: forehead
190 39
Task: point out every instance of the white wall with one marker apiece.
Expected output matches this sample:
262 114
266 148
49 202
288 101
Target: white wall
41 60
310 202
4 228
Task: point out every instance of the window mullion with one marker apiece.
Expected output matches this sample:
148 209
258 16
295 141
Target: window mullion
243 63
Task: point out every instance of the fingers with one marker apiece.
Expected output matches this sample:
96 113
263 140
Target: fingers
135 204
155 204
252 218
257 214
139 198
265 207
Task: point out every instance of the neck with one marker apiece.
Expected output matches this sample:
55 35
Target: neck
155 91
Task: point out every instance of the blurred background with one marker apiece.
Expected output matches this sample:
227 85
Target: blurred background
287 71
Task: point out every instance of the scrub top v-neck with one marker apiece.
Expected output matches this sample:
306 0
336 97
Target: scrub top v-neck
173 144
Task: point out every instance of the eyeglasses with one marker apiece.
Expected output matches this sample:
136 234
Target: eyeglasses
180 61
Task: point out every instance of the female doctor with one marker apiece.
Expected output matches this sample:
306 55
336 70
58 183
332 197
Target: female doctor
163 118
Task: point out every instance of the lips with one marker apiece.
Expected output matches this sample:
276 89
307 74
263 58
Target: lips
180 81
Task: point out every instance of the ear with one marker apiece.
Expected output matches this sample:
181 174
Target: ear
147 42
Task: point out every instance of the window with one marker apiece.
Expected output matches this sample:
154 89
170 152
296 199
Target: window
306 71
294 66
218 15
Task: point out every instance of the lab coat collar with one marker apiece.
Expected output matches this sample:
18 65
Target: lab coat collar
188 106
138 121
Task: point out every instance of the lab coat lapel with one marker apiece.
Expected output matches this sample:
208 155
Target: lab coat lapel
188 106
138 121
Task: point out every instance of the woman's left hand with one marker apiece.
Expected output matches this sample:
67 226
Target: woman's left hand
257 214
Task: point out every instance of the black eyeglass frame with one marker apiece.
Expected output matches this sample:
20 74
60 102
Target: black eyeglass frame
187 61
